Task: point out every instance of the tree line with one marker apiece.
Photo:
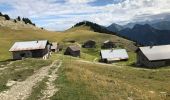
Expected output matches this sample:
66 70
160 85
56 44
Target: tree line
95 27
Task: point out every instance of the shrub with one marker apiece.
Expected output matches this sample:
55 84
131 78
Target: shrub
19 18
15 21
6 17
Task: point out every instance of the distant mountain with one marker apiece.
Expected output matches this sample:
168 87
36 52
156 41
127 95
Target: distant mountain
94 27
146 35
160 25
115 27
163 25
143 34
129 25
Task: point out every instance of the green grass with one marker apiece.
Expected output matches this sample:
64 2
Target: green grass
85 81
130 62
70 90
8 37
20 70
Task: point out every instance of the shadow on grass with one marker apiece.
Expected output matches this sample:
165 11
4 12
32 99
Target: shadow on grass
134 65
8 60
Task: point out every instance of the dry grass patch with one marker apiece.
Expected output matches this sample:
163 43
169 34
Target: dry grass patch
84 81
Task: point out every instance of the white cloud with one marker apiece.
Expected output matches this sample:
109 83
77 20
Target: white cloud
68 13
79 1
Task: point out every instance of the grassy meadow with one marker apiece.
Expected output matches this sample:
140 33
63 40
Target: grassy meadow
94 81
83 78
8 37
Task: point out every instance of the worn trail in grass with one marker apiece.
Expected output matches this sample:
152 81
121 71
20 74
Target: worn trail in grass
21 90
51 89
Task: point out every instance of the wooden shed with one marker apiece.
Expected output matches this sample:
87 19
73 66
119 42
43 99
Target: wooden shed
89 44
54 47
153 56
73 51
31 49
108 44
110 56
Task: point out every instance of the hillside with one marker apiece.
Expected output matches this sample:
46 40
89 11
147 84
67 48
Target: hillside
163 25
93 27
146 35
115 27
80 34
67 78
84 80
17 24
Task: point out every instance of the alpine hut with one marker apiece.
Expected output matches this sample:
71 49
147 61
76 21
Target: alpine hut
89 44
73 50
110 56
153 56
31 49
108 44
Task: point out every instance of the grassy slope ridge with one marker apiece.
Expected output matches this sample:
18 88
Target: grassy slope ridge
80 34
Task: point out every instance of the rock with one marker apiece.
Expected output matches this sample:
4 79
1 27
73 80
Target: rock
10 83
152 92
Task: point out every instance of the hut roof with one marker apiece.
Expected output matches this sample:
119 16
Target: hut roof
74 48
118 54
29 45
154 53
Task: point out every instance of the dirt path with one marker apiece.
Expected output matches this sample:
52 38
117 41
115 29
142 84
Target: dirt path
51 89
21 90
95 63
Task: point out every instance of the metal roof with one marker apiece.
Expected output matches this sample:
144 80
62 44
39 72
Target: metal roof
117 54
156 52
29 45
74 48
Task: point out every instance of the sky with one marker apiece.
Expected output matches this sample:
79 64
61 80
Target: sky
59 15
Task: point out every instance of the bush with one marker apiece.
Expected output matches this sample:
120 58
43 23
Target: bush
19 18
15 21
1 14
6 17
27 21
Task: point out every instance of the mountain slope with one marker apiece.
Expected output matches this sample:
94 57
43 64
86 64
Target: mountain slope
8 36
146 35
115 27
157 24
163 25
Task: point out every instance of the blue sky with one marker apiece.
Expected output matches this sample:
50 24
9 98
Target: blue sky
62 14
